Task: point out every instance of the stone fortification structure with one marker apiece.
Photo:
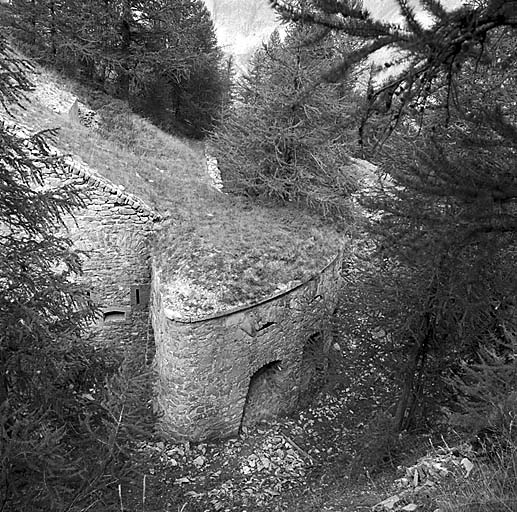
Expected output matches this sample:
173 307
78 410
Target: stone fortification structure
216 374
112 229
220 373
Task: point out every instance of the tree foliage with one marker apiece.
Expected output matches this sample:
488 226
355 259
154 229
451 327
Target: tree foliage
161 55
421 54
445 230
65 408
282 141
442 215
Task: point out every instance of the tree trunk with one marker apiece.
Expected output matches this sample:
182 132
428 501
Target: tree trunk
412 386
53 32
4 389
125 47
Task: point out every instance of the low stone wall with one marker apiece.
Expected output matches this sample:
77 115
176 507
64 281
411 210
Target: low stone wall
205 366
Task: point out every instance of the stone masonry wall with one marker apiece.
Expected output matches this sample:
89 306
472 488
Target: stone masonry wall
113 230
204 366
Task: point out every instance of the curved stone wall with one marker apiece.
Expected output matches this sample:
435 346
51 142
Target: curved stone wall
205 365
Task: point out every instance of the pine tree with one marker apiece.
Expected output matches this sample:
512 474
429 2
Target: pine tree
488 393
282 141
48 453
421 55
180 74
445 229
159 55
444 221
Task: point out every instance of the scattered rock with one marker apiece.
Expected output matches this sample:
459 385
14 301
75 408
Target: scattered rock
388 503
212 167
426 474
199 461
80 113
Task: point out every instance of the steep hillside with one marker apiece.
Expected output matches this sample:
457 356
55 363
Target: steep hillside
214 250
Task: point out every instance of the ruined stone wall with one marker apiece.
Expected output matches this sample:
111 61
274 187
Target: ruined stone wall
205 366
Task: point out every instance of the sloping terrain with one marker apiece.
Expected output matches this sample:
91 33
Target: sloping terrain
215 251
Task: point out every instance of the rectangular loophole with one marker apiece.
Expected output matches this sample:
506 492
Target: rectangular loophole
265 326
114 316
140 295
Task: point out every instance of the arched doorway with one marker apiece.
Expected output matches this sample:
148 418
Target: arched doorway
265 398
313 370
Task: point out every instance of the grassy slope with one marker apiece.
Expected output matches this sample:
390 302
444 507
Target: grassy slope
216 251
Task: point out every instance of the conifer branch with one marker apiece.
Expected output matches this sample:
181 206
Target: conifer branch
341 68
354 22
409 15
436 52
435 8
345 8
292 13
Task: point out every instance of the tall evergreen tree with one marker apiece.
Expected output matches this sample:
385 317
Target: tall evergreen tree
42 312
63 414
443 222
421 54
182 78
160 55
284 141
445 227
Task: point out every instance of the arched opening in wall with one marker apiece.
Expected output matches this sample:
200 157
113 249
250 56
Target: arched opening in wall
114 316
265 397
313 370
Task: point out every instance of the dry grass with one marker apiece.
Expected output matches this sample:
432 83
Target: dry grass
127 150
241 249
492 486
236 252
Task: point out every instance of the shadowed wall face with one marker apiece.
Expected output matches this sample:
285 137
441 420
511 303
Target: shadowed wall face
116 268
265 396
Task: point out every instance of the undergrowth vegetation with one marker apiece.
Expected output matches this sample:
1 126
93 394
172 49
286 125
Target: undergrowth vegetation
491 488
70 451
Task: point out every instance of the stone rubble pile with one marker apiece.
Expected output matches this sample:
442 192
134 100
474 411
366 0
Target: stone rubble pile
212 167
85 116
277 457
422 478
63 102
275 465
